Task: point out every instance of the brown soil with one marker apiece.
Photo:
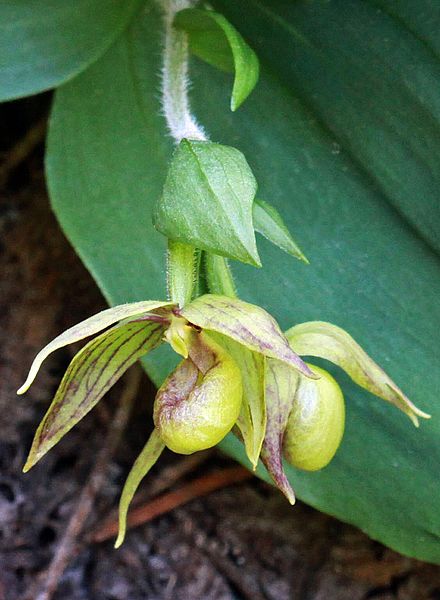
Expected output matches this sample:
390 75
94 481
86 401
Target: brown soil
242 541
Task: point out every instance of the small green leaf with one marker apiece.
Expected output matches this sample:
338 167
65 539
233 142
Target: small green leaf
332 343
89 327
245 323
207 201
268 222
280 386
92 372
252 419
213 39
146 459
45 42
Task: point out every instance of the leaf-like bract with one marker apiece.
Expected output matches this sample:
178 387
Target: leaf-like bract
207 200
268 222
213 39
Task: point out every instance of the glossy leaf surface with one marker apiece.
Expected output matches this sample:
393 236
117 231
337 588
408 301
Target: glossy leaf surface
371 272
45 42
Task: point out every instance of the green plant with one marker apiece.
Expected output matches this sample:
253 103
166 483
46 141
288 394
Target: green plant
98 148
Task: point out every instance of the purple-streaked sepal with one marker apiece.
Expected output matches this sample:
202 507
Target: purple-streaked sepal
317 338
246 324
92 372
92 326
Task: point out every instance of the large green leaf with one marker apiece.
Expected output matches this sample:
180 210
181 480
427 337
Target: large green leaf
45 42
374 86
370 271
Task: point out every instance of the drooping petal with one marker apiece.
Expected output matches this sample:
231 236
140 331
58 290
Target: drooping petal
252 418
280 387
245 323
146 459
89 327
92 372
317 338
198 404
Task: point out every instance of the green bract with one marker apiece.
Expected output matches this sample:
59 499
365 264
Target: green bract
268 222
207 200
213 39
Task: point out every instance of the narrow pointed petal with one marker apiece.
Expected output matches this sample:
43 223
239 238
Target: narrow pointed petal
245 323
332 343
92 372
87 328
280 387
252 419
146 459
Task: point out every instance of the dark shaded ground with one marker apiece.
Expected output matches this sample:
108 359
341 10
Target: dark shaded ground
243 541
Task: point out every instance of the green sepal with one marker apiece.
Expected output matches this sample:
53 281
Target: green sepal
146 459
213 39
90 327
332 343
245 323
207 201
91 373
268 222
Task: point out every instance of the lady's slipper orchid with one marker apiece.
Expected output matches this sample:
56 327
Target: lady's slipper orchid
200 401
238 369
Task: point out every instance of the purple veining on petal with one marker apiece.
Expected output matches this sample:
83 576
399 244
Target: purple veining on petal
281 382
252 326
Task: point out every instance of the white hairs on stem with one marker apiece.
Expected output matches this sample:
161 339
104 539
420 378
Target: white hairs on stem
175 101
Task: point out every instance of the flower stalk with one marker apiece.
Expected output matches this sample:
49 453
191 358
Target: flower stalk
175 101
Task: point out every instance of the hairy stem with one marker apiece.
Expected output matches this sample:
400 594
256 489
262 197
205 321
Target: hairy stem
175 101
182 124
181 272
